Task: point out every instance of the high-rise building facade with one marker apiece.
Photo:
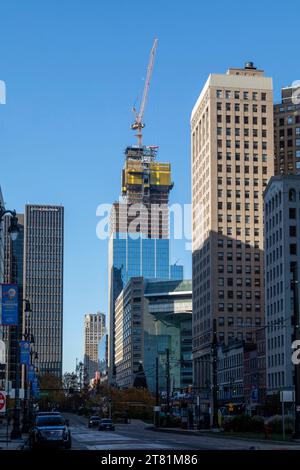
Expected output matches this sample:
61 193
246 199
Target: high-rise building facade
139 228
232 161
282 261
153 317
287 132
94 331
43 283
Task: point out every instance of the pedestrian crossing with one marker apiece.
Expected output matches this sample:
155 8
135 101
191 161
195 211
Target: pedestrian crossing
92 439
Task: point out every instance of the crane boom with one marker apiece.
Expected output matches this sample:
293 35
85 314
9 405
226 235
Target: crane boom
138 124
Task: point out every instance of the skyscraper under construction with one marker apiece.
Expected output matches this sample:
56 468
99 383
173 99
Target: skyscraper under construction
139 227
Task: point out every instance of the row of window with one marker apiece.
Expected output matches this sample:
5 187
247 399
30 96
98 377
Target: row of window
239 269
237 131
246 144
237 107
239 281
240 321
237 95
248 336
237 156
228 119
290 143
238 256
239 294
246 169
239 307
239 232
289 120
238 219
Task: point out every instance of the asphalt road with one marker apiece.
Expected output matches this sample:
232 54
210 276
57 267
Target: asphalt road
136 436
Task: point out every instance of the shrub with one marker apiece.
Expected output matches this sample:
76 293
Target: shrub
243 423
275 423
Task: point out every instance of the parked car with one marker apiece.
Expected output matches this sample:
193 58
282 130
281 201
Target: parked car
106 425
94 421
50 429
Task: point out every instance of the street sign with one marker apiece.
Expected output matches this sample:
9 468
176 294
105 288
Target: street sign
2 402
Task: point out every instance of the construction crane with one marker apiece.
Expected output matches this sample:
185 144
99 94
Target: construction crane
138 124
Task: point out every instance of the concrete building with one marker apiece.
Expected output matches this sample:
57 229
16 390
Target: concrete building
287 132
231 373
43 283
94 331
282 260
139 228
232 161
151 317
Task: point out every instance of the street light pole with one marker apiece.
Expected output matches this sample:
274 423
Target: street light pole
13 231
294 285
215 375
28 337
168 382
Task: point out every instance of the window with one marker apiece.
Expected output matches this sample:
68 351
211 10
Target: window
292 195
293 249
293 231
219 93
263 96
292 213
290 119
237 95
221 321
221 307
245 95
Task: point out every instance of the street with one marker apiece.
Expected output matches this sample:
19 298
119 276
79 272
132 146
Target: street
136 436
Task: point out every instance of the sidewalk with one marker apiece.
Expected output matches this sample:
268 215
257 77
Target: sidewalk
6 443
207 433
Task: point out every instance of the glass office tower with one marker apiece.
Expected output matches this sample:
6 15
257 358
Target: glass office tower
139 228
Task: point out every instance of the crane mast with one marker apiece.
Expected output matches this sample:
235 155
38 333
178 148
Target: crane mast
138 124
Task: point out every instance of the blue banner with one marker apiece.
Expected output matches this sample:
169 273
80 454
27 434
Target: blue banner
35 388
31 373
9 304
24 352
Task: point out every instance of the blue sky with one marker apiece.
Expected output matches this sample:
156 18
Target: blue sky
73 70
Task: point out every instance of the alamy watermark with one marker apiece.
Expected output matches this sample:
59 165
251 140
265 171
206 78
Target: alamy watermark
2 92
150 220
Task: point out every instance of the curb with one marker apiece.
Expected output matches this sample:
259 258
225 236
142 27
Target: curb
214 434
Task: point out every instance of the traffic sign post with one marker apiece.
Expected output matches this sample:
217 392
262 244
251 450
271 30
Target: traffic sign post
2 402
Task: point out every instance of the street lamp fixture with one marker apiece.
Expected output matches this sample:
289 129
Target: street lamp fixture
13 229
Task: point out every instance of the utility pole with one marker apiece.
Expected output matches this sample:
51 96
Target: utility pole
294 286
156 414
168 381
214 351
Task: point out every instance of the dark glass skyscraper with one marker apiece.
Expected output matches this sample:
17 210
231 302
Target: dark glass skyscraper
43 283
139 228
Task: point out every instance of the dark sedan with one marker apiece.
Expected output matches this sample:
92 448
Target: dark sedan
50 430
94 421
106 425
